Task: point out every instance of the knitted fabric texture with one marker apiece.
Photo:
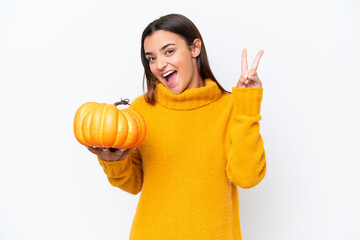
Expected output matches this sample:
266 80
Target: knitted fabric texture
200 145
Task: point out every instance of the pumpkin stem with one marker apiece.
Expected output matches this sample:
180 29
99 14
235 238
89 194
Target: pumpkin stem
123 102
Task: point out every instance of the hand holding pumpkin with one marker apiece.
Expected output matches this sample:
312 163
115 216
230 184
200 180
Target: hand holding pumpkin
110 154
107 131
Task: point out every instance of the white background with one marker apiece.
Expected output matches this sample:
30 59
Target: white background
57 55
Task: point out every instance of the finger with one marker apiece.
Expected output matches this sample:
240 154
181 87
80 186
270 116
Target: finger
120 154
256 61
94 150
100 152
126 152
249 77
252 75
253 79
252 72
244 66
241 82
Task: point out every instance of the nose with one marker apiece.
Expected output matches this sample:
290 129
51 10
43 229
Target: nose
161 64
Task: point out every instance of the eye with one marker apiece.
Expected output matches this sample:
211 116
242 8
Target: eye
169 51
150 59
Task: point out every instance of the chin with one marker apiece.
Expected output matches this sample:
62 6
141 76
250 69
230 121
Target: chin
175 91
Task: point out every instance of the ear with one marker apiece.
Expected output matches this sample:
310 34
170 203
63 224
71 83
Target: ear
196 47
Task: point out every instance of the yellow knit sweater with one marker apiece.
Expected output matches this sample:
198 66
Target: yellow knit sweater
200 145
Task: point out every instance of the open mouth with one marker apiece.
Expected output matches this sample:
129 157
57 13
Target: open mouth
170 76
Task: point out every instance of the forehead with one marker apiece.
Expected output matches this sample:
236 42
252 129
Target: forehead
160 38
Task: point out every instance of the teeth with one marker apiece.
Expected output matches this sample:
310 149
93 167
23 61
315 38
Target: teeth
168 73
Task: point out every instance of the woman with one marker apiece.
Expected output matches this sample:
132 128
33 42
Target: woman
201 143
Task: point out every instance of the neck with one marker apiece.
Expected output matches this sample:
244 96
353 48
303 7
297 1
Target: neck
198 83
190 98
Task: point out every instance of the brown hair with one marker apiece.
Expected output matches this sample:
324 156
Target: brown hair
184 27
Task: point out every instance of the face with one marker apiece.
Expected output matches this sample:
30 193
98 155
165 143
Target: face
172 61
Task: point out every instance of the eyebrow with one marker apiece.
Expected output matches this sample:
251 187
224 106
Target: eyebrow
165 46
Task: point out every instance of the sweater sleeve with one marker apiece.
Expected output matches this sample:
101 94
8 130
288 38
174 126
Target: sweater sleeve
246 164
126 174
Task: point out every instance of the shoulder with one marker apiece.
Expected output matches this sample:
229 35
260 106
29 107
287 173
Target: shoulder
138 102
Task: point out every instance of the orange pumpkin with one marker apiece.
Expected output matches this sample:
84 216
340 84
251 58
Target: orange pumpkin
104 125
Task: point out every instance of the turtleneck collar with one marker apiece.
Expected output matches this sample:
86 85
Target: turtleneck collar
188 99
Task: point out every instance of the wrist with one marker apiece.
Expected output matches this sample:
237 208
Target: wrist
247 101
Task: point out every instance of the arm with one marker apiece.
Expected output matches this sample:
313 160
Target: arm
246 164
126 174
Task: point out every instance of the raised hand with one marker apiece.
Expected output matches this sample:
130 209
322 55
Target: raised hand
249 78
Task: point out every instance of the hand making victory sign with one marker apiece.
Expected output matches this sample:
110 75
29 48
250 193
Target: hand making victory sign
249 78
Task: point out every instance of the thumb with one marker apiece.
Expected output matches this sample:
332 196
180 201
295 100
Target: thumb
241 82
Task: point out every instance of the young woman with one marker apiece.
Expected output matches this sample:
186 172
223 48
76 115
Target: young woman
201 143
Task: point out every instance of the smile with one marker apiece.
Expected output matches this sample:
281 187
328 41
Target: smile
168 73
170 78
